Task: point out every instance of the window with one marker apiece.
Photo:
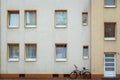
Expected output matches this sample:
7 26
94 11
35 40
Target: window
30 52
109 3
61 52
85 52
13 52
13 20
61 18
109 31
84 18
30 17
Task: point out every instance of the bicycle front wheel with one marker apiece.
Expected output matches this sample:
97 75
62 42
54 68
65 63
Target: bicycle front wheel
87 75
73 75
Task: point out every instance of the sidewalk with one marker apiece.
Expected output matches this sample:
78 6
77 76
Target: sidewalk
42 79
60 79
47 79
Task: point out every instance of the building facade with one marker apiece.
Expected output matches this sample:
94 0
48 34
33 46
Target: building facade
105 38
0 35
40 38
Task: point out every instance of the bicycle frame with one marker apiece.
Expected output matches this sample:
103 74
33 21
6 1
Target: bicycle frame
76 70
84 73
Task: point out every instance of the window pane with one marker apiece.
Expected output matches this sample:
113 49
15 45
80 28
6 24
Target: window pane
31 18
85 53
109 60
13 19
109 29
109 55
13 51
61 18
109 2
84 18
109 64
109 69
61 51
30 51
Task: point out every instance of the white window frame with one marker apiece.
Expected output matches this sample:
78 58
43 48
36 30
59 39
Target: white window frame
110 38
31 26
61 59
60 26
110 5
30 59
12 12
13 59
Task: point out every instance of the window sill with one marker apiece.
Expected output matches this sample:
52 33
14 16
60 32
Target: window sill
61 60
110 39
85 58
84 24
31 60
13 60
30 26
13 27
112 6
61 26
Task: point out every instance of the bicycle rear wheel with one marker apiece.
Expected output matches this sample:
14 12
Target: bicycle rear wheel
87 75
73 75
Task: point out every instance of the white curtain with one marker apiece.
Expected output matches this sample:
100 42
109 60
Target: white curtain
60 52
61 18
30 51
85 52
30 18
109 2
13 51
14 19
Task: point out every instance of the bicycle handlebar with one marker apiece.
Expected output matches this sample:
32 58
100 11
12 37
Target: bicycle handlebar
84 68
75 66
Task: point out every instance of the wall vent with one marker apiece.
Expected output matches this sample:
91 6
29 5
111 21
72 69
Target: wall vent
22 75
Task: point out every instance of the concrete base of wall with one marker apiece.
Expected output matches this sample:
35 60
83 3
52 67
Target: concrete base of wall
38 76
97 76
26 76
60 76
30 76
118 75
9 76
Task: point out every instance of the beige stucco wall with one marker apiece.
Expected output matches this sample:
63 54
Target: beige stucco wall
99 15
46 35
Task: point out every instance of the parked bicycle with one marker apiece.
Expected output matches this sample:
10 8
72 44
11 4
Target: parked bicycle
85 74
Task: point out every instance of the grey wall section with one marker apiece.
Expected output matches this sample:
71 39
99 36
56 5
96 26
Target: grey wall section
46 35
